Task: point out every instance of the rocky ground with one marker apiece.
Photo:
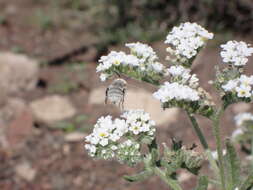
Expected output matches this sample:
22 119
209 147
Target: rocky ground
46 110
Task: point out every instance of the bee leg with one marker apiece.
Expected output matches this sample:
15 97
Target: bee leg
123 99
121 106
106 95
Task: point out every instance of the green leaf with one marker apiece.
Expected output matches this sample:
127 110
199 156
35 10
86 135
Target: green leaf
202 183
233 165
140 176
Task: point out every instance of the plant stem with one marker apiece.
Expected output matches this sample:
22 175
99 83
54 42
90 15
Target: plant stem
198 131
172 183
252 152
216 131
204 143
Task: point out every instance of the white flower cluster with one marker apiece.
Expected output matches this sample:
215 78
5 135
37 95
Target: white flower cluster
187 39
240 120
104 133
115 59
236 53
182 75
176 91
242 86
142 57
107 134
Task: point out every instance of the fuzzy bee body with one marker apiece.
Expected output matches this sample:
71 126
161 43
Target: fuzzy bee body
115 93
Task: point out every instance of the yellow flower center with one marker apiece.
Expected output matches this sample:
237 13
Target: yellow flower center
243 92
102 134
116 62
136 128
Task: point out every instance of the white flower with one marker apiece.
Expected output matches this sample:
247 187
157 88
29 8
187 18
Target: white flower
91 149
231 85
157 67
236 52
187 38
170 91
245 80
103 76
215 154
243 91
237 133
178 70
242 117
113 147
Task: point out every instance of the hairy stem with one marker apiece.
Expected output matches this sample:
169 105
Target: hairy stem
216 131
170 182
198 131
252 152
203 142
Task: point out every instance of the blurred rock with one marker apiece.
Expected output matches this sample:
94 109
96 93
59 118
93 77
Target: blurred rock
52 109
241 107
66 149
183 177
11 109
25 171
17 73
140 99
74 137
19 128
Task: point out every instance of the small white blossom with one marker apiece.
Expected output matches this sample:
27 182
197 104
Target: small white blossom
237 133
103 77
231 85
215 154
157 67
236 52
243 91
178 70
242 117
245 80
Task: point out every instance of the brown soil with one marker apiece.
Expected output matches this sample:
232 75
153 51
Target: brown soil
62 165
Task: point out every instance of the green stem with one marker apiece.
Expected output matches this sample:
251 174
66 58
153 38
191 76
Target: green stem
198 131
252 152
216 131
203 142
172 183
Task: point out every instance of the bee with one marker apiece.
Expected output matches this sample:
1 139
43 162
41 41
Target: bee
115 93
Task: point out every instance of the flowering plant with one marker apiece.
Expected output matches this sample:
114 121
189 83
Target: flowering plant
126 137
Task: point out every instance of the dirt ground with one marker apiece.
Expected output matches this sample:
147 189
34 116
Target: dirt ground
61 165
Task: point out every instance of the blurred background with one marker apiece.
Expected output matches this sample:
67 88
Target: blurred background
50 95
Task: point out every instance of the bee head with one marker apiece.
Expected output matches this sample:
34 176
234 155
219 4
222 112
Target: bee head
120 82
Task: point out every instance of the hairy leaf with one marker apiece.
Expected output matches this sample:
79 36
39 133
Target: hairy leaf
233 165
